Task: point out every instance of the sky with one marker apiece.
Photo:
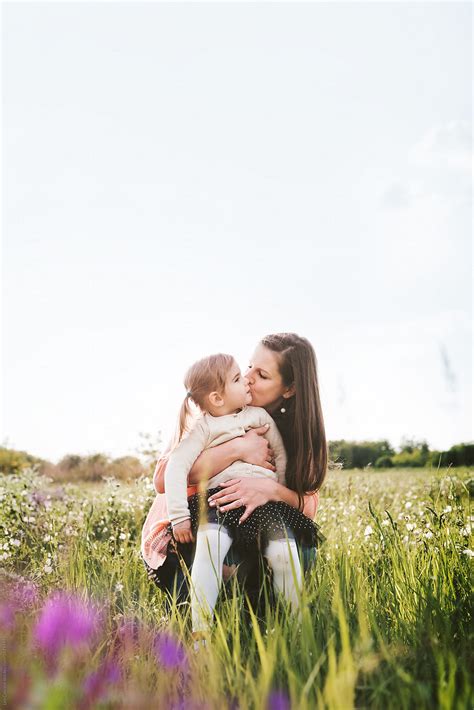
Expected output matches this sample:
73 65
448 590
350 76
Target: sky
182 179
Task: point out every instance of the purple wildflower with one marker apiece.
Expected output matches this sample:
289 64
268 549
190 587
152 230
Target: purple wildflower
26 593
170 652
126 637
7 616
38 497
278 700
96 683
65 620
186 704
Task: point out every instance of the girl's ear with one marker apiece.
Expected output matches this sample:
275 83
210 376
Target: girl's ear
289 392
216 399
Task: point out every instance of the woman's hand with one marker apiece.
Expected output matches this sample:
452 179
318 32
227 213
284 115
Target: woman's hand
248 492
255 449
182 531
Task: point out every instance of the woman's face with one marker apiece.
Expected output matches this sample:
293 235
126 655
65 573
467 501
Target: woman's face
263 375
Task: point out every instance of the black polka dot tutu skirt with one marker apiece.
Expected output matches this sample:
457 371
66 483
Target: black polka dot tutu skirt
267 522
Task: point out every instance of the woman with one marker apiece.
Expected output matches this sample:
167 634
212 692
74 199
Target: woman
283 379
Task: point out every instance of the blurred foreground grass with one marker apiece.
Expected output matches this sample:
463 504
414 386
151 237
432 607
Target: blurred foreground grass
387 617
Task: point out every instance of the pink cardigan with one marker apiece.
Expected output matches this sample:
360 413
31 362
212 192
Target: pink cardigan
156 532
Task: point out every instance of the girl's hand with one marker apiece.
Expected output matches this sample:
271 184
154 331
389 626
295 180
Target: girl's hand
182 531
249 492
255 449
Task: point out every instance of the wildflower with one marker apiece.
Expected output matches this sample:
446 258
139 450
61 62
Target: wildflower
48 569
7 616
96 683
448 509
428 534
468 552
64 621
15 543
278 700
466 531
119 587
410 526
127 635
122 536
368 531
408 504
169 651
38 497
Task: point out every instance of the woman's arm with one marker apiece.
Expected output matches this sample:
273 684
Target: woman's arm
251 448
253 492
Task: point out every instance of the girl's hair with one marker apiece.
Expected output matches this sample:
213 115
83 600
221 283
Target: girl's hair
205 376
302 427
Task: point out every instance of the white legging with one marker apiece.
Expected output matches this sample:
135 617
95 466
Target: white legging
212 545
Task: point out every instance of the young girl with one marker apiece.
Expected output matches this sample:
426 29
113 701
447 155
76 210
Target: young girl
217 387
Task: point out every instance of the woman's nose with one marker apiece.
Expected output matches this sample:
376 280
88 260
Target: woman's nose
246 380
249 377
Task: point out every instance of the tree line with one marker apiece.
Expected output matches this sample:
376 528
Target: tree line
342 454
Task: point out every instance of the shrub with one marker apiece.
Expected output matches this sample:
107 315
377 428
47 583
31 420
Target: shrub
458 455
353 454
12 462
384 462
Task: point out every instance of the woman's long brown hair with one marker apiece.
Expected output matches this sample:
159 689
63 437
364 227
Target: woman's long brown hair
303 431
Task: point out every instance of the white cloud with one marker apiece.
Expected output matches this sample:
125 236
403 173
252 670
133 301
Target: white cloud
398 195
446 146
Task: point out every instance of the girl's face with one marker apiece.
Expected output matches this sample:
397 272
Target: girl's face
263 375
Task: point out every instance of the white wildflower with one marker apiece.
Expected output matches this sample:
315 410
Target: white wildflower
368 531
448 509
118 587
428 534
15 543
466 531
468 552
122 536
408 504
48 569
410 526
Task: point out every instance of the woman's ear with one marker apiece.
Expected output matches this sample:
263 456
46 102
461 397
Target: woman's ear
289 392
215 399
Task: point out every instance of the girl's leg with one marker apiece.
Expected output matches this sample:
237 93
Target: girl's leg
212 544
283 558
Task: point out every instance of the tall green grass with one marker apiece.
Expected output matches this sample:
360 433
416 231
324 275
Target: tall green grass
386 610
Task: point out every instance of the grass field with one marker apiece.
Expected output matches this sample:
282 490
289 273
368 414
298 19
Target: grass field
387 618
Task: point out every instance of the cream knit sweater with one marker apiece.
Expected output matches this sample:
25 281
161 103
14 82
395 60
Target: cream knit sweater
211 431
